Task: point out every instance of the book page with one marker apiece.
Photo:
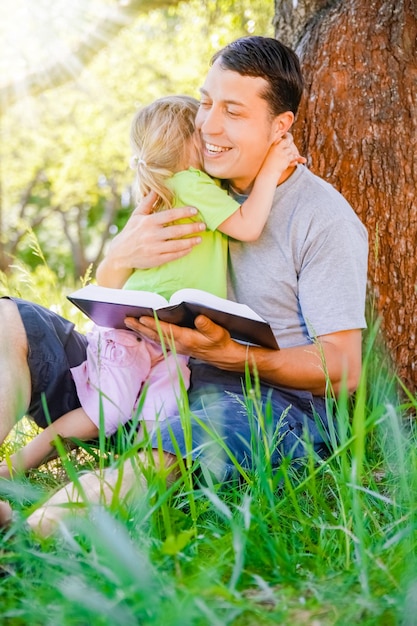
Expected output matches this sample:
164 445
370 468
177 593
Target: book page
215 302
109 308
121 296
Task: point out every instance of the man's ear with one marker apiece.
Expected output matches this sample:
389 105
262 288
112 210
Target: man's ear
282 124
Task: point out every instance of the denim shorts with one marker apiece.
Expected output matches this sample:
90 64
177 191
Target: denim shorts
228 425
54 346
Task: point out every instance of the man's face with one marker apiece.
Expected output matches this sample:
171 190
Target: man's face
236 126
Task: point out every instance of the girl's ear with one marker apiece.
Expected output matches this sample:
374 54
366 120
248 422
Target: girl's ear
282 124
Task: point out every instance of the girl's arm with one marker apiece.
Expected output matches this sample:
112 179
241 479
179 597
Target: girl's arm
73 424
248 222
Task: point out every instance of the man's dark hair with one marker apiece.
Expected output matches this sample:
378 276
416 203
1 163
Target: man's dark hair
272 60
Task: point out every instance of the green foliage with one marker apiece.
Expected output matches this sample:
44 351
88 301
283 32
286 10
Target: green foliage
65 154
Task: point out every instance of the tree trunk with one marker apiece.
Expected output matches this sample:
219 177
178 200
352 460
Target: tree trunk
358 127
292 17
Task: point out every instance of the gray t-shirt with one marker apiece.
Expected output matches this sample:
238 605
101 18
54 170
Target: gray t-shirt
306 274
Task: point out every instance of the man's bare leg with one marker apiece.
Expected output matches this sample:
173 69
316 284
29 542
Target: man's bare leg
121 483
15 383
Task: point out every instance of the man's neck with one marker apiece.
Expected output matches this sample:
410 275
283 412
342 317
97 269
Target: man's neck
237 192
286 174
234 187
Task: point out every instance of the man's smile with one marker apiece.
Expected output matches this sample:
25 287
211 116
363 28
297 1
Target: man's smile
210 147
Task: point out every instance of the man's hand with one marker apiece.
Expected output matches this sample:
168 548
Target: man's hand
148 240
208 341
158 238
333 358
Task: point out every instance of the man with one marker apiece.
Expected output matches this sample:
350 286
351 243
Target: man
306 274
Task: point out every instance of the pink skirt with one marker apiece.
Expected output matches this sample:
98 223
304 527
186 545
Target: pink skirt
125 376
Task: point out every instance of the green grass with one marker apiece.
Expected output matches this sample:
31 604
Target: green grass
332 542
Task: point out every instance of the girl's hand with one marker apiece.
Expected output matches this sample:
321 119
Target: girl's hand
286 152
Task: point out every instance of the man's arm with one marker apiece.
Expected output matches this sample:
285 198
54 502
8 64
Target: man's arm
148 240
335 357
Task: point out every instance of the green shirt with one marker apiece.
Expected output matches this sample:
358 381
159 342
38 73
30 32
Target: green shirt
205 266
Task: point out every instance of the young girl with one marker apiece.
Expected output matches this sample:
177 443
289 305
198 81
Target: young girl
123 375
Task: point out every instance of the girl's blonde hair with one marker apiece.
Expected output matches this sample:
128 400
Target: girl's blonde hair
160 138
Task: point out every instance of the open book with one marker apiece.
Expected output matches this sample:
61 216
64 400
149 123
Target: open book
109 307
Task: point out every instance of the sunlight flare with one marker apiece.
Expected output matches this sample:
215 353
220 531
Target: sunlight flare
45 43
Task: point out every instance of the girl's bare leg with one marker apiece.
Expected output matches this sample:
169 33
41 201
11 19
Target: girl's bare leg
76 423
5 514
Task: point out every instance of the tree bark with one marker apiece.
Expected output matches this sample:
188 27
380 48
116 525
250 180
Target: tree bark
358 127
293 17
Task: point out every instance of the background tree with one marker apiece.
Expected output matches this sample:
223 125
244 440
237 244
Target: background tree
45 46
65 150
357 126
94 33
